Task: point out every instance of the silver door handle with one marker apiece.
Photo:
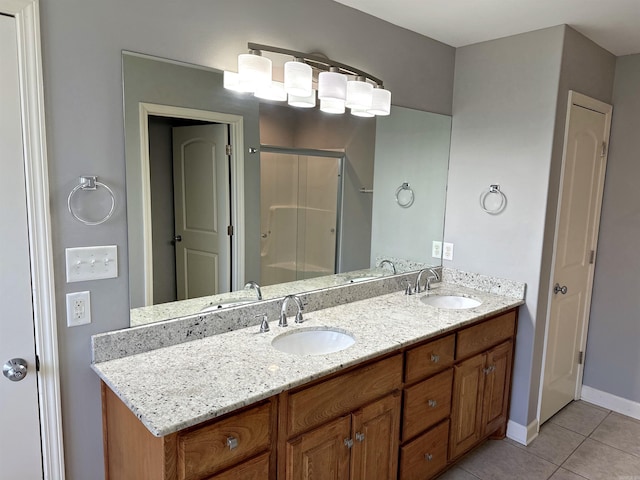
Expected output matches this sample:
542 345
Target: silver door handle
15 369
177 238
559 289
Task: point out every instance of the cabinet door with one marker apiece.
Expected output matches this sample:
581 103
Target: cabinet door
466 408
496 388
320 454
376 432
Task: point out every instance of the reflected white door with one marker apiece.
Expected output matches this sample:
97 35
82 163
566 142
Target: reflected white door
576 238
202 211
20 449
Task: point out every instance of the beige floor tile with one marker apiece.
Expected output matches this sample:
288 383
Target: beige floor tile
499 460
597 461
620 432
580 417
457 473
563 474
554 443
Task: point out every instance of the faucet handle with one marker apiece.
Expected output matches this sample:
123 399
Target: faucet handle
408 290
264 325
299 317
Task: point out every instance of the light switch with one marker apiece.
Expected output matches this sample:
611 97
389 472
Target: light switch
91 263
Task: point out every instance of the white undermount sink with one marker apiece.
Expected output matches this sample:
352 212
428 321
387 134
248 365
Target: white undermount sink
313 341
451 302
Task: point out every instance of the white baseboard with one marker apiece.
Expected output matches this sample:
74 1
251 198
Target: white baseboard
522 434
610 402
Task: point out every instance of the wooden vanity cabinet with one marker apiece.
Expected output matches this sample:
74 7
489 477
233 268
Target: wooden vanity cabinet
347 427
241 442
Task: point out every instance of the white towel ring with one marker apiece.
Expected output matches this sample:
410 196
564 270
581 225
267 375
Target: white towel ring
90 182
493 189
405 202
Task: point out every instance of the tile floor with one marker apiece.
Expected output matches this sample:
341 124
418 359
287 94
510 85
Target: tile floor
580 442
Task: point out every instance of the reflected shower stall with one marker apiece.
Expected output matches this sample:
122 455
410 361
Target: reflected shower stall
300 196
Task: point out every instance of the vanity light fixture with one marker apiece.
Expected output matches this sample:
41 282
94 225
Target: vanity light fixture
340 86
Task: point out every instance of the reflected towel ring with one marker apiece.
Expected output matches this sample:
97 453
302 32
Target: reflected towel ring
90 182
501 206
405 202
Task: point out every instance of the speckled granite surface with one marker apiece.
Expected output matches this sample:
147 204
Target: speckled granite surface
182 385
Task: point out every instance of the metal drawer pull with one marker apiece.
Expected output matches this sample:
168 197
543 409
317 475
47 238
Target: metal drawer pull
435 358
432 403
232 442
489 369
348 442
360 436
428 457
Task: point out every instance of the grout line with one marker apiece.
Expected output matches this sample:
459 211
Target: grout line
615 448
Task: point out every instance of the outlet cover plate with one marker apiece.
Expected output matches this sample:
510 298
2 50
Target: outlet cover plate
78 308
447 251
436 249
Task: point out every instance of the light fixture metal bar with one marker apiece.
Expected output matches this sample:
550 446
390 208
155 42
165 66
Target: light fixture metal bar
318 61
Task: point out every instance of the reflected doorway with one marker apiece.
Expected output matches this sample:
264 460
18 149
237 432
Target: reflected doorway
300 205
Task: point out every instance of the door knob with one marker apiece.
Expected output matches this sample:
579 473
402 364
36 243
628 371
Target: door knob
559 289
15 369
177 238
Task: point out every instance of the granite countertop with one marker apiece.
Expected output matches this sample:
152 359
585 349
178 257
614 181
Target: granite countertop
179 386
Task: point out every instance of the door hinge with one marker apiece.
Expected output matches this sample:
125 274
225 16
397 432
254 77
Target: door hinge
37 363
580 358
592 258
230 230
229 150
603 153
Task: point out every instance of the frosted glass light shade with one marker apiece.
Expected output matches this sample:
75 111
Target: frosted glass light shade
231 81
381 102
359 94
298 78
332 86
254 72
361 113
332 106
303 102
274 92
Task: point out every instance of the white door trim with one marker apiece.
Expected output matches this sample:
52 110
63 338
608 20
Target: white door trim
235 123
582 100
27 16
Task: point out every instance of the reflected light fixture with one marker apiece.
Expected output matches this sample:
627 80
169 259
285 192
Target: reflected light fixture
340 86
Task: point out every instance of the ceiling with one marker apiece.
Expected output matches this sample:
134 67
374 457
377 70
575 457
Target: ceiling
612 24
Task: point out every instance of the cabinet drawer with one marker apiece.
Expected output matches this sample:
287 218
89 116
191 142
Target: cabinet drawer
424 457
254 469
211 448
430 358
426 403
343 394
481 337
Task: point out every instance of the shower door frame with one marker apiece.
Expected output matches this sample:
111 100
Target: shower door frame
338 154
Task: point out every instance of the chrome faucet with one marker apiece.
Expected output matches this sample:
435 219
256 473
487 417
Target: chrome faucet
388 262
283 312
433 275
253 285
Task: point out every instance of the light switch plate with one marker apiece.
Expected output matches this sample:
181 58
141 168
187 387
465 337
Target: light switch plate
436 249
447 251
91 263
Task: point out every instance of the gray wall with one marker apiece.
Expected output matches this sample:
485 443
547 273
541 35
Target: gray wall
613 349
82 43
508 123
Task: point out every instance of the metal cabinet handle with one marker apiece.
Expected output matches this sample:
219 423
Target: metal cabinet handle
489 369
348 442
232 442
428 457
559 289
435 358
15 369
360 436
432 403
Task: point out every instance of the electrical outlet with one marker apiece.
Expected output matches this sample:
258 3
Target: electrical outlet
447 251
78 308
436 249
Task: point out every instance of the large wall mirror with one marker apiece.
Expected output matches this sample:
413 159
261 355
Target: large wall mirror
223 190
